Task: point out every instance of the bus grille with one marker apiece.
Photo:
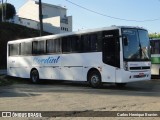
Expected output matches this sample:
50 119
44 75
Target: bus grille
140 68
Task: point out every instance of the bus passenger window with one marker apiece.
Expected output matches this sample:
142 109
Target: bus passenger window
93 42
90 42
14 49
75 44
26 48
66 44
53 46
85 43
38 47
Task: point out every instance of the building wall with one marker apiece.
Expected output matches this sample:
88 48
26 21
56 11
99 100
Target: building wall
28 23
66 27
55 19
29 10
49 22
52 11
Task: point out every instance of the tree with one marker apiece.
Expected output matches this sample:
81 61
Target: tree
154 35
8 11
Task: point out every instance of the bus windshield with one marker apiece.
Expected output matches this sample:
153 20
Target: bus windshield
138 45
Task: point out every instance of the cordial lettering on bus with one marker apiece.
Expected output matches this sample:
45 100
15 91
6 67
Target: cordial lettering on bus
48 60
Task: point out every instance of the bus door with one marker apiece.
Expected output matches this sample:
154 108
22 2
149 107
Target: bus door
110 54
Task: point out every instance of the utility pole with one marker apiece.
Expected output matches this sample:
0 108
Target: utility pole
40 18
2 12
5 14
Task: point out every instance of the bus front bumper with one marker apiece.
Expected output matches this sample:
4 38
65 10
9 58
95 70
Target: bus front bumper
133 76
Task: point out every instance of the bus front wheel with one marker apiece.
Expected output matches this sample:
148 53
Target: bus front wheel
34 76
95 79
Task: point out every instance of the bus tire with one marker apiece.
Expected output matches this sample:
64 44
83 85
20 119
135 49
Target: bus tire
94 79
34 76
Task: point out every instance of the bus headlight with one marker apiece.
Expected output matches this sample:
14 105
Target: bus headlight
125 65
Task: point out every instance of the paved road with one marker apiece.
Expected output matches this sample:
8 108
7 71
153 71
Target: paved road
76 96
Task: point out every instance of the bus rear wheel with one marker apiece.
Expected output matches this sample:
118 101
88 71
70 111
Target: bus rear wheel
34 76
95 79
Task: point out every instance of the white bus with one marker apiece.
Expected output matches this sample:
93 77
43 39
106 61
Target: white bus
116 54
155 56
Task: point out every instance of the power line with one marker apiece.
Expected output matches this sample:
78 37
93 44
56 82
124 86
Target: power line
117 18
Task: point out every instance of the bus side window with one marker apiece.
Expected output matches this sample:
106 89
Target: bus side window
66 44
26 48
14 49
38 47
71 44
90 42
85 43
152 47
93 42
156 47
53 46
75 44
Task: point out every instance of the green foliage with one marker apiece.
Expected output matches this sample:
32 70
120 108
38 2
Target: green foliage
8 11
154 35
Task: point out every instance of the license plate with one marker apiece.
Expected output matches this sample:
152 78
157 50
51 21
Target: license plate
141 74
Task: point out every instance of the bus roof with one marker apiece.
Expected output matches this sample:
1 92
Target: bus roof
72 33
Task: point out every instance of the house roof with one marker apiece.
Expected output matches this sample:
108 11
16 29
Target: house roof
27 19
51 5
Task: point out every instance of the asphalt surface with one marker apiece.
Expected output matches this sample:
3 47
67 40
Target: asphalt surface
78 96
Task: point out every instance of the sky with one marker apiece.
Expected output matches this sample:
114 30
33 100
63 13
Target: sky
88 14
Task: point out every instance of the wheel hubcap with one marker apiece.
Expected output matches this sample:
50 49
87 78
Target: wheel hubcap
94 79
34 76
